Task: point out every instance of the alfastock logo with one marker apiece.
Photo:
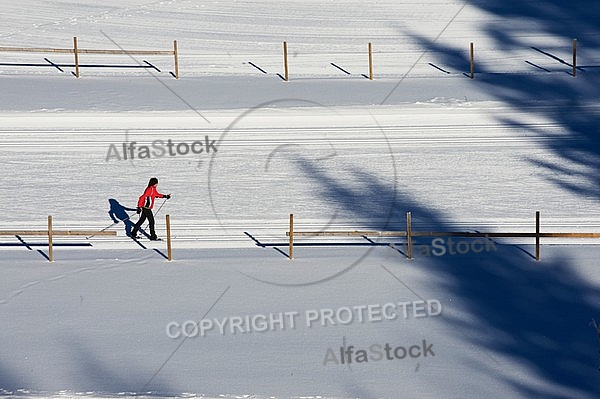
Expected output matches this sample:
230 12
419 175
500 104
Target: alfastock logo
159 148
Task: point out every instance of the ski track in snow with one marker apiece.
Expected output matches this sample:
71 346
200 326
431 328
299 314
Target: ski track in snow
121 264
358 145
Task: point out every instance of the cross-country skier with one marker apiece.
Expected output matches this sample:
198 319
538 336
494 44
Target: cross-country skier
144 206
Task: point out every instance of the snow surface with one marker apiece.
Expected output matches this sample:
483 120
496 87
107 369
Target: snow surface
338 151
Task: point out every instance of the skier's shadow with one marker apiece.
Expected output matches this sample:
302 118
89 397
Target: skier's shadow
118 213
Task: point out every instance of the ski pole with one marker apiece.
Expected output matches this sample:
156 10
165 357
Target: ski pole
159 208
108 227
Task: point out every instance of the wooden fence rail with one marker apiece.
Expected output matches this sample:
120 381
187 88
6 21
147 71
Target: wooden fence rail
466 234
56 233
409 234
50 233
76 51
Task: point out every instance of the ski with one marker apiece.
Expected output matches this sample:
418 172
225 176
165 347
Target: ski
138 238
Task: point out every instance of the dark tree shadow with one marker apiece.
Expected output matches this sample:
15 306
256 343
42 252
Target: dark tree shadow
8 381
92 374
541 313
578 149
528 315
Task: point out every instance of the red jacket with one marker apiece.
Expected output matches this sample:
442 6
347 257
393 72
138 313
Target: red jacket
146 200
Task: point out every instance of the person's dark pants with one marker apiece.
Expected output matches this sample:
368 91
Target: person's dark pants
146 214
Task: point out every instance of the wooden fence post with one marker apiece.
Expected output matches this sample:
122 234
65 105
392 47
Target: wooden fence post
50 254
76 56
409 236
169 252
285 62
537 235
574 57
291 236
176 55
370 61
472 56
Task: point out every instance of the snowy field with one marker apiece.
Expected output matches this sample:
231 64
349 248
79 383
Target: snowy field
109 317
